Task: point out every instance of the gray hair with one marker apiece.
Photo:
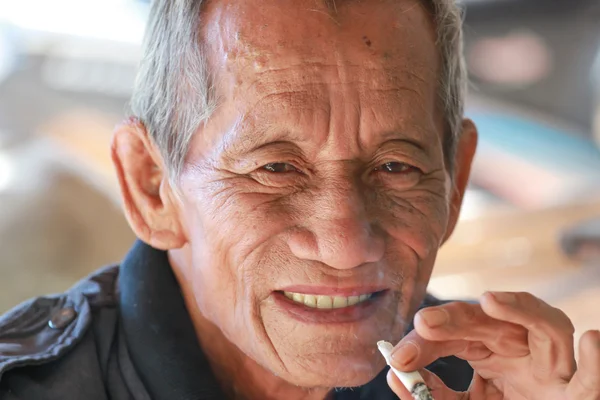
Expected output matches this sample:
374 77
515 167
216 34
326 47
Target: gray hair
173 96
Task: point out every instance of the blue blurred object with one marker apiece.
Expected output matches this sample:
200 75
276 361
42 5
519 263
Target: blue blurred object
539 143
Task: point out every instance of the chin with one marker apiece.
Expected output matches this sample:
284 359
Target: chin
336 371
337 348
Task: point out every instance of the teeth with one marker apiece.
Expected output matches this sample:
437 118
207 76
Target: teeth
326 302
310 300
298 298
340 302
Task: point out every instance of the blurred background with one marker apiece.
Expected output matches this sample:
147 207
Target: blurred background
531 218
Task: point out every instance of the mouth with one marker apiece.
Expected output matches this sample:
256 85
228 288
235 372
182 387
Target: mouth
323 302
327 308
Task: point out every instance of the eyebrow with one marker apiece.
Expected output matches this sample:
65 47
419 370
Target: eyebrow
250 142
396 137
268 135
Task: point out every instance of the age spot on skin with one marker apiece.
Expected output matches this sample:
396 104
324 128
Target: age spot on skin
367 41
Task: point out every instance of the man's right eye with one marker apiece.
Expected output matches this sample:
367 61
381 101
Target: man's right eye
279 167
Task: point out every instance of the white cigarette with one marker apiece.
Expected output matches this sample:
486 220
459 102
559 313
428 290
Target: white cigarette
413 381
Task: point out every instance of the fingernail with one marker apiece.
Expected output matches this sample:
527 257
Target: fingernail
504 297
434 318
405 354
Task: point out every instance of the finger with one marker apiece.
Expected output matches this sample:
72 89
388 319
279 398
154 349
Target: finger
414 352
550 331
464 321
585 384
397 387
480 389
438 389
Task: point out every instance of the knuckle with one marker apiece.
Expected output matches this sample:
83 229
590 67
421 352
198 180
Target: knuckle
477 350
529 301
536 323
553 321
543 316
564 321
466 312
512 338
513 334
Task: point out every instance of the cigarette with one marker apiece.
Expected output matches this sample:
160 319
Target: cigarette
413 381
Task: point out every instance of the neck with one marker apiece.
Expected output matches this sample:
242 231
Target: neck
239 375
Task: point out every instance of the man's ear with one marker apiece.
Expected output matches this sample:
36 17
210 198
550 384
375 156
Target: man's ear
465 152
149 201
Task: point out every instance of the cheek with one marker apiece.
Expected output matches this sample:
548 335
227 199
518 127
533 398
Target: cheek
415 219
232 221
237 261
416 225
232 237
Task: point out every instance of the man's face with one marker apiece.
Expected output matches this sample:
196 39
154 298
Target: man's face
321 177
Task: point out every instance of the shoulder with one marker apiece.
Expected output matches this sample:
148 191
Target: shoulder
45 330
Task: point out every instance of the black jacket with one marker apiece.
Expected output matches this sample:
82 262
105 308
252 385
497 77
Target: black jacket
124 334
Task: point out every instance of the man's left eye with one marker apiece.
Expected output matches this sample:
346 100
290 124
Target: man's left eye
396 168
280 167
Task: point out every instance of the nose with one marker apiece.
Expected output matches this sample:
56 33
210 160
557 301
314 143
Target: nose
339 232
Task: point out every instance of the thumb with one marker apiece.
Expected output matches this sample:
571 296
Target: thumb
438 389
585 384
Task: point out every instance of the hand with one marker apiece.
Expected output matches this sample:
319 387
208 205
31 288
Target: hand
518 346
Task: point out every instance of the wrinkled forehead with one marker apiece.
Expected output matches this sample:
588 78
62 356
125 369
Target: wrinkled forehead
394 35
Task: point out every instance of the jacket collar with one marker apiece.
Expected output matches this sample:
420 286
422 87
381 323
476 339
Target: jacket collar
158 331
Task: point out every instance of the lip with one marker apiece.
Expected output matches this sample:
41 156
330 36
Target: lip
333 291
350 314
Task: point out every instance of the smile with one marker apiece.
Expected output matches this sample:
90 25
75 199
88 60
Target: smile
326 302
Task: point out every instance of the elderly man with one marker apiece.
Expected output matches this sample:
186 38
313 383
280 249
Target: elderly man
291 169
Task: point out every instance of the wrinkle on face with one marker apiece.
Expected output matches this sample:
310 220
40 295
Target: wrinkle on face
281 60
322 129
299 89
